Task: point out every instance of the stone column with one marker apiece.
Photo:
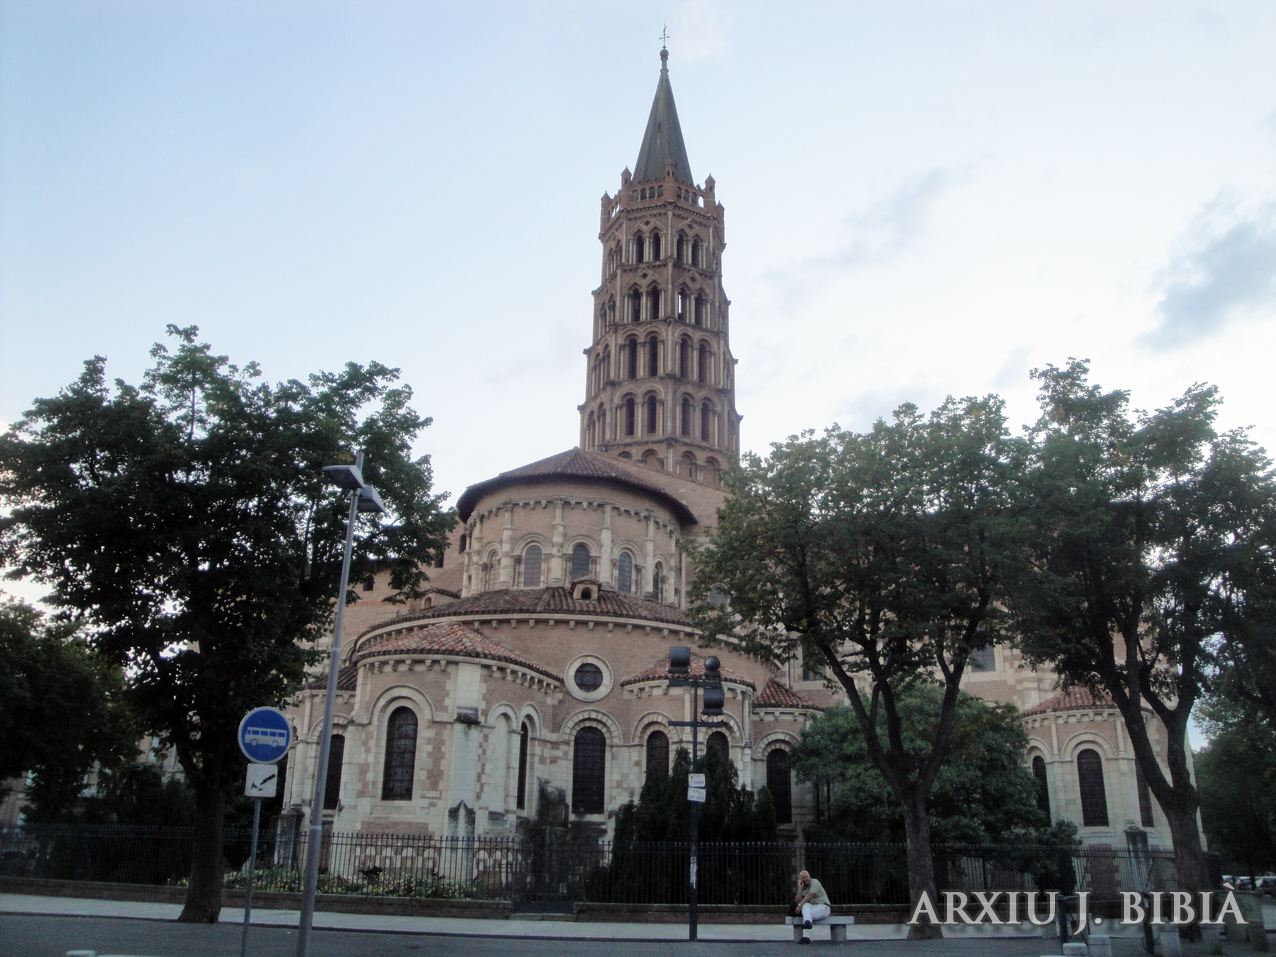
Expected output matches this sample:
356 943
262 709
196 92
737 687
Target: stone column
507 549
475 583
556 548
650 562
604 559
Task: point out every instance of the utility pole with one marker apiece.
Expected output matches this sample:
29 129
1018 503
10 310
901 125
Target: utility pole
711 682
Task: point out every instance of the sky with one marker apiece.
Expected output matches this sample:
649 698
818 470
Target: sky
922 199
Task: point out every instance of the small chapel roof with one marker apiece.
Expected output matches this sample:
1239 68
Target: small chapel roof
449 638
662 141
574 464
776 695
1074 699
347 678
660 672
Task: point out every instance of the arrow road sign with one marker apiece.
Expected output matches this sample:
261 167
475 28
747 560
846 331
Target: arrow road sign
264 735
261 781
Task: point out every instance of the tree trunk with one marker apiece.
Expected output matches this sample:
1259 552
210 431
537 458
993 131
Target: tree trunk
1189 856
204 895
921 864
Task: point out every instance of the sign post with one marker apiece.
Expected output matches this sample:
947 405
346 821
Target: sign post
264 737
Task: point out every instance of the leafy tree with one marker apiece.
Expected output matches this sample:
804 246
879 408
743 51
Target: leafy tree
983 794
730 812
138 794
889 555
1154 532
187 523
1236 779
63 711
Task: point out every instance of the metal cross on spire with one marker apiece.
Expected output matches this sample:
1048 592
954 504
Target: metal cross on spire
664 35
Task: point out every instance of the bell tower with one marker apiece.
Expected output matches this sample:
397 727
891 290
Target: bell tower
660 377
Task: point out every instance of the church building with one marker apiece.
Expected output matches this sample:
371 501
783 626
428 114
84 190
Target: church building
536 667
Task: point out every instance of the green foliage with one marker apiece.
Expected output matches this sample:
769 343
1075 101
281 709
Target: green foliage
62 709
138 794
187 523
1153 564
730 812
982 795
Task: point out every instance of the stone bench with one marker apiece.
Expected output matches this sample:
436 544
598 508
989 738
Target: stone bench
836 924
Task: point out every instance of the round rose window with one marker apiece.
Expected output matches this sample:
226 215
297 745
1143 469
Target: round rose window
588 677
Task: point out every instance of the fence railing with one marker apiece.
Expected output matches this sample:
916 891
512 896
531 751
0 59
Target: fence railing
560 867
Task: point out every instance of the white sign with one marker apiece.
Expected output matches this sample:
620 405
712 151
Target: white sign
696 795
261 780
695 780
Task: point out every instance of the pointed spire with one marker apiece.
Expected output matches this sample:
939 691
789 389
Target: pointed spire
662 142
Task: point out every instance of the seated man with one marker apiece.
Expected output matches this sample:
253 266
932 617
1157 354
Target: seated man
811 902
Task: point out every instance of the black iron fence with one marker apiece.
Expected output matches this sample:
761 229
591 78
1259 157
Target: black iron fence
562 868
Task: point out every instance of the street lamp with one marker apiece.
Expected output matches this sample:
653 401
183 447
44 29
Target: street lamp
363 500
711 682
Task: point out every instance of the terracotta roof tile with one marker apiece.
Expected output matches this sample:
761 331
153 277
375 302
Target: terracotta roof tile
776 695
1074 699
448 638
347 678
574 463
660 672
548 601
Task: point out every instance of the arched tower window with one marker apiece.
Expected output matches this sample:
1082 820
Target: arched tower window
635 306
629 416
492 578
523 741
780 785
631 358
680 250
332 787
400 755
658 582
589 432
695 252
1094 798
655 247
532 567
625 573
686 415
611 311
589 769
706 421
718 742
684 358
602 424
1043 788
658 756
653 356
699 311
702 365
580 561
682 306
606 366
639 249
651 413
653 304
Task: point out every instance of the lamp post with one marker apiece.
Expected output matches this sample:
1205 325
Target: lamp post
363 498
711 682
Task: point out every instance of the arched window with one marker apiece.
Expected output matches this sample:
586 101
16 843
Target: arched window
686 415
332 787
655 247
718 742
682 306
523 736
1094 798
625 573
400 755
699 317
639 249
702 364
532 567
635 306
695 252
658 582
611 311
713 470
651 413
653 356
658 755
706 421
653 304
629 416
684 358
589 769
681 250
602 424
589 432
1145 797
780 785
1043 788
606 366
492 572
631 358
580 562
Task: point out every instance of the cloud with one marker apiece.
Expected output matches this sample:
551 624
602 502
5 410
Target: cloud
1225 270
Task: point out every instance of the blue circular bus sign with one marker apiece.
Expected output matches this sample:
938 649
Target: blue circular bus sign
264 735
